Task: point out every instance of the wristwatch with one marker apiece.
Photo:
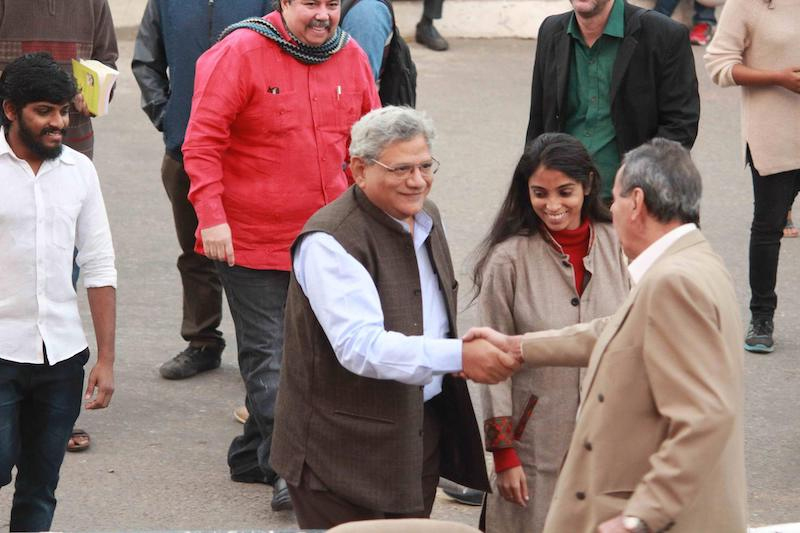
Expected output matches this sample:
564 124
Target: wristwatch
634 524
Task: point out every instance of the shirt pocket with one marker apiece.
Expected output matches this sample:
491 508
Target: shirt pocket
63 219
278 112
339 112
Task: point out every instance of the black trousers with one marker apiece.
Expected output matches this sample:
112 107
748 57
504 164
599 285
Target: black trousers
202 288
773 196
316 507
432 9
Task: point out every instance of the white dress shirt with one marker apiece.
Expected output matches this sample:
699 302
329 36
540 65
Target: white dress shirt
43 217
345 301
639 266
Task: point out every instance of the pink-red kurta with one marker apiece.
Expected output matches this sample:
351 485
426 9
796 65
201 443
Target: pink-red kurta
266 144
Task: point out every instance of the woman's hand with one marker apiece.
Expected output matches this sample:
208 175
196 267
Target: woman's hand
790 79
513 485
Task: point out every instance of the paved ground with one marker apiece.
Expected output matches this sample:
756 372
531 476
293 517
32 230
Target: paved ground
158 454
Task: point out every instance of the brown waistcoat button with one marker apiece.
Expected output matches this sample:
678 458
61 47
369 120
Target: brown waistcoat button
580 495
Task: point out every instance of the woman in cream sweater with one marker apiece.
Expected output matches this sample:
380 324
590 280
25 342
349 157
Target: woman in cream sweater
756 46
551 260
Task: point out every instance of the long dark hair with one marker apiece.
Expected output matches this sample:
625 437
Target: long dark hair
556 151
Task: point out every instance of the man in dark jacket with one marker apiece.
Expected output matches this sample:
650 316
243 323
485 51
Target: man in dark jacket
172 35
614 75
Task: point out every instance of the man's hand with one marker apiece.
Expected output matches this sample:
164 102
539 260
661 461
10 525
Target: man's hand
485 363
512 344
101 382
513 485
790 79
613 526
218 243
79 104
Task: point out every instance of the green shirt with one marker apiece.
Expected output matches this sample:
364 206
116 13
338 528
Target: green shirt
588 114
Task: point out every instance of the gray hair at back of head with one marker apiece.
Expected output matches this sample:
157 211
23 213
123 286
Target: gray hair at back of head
672 185
381 127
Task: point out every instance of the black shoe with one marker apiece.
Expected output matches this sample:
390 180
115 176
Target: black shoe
461 494
281 501
428 35
193 360
759 336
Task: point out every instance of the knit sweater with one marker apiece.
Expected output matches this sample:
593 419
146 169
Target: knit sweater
762 35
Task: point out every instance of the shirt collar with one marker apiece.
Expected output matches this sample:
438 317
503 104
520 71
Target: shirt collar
66 153
423 225
615 25
639 266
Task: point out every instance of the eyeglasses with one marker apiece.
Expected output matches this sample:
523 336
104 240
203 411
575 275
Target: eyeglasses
427 169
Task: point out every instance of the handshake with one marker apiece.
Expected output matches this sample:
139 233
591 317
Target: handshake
490 357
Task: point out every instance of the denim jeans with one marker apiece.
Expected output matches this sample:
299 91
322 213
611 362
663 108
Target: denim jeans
773 196
701 12
370 24
256 299
38 406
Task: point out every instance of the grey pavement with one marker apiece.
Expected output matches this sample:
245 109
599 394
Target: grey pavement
157 460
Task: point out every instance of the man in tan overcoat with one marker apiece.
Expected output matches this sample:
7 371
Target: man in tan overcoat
658 442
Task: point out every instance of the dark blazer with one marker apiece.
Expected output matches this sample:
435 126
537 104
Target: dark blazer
653 85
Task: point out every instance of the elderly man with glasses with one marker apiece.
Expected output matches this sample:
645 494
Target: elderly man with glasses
369 413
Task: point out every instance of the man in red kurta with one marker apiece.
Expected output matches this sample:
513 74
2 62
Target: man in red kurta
266 147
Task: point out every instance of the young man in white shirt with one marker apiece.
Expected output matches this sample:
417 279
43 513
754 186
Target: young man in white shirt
52 204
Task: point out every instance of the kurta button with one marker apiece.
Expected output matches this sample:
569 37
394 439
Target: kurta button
601 398
587 445
575 302
565 263
580 495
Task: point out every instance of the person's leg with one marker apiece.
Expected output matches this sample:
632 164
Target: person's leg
666 7
46 417
316 507
202 288
704 14
704 23
11 395
427 34
772 197
257 299
369 22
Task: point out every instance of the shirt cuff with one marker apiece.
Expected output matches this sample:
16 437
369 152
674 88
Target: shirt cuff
505 459
444 355
210 213
499 433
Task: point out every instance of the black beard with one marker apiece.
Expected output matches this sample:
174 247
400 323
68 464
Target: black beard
34 145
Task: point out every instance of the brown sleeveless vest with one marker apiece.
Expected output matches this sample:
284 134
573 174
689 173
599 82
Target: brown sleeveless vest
362 437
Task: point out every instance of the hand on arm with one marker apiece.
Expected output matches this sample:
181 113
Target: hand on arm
218 243
100 387
788 78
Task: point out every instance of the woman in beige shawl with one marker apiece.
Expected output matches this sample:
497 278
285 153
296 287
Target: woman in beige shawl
550 260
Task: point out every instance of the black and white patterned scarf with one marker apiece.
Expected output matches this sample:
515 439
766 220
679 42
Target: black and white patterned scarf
310 55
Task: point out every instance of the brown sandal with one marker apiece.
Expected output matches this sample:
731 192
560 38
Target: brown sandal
79 441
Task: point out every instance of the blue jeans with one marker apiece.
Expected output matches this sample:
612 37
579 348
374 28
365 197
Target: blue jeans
701 12
38 406
370 24
256 299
